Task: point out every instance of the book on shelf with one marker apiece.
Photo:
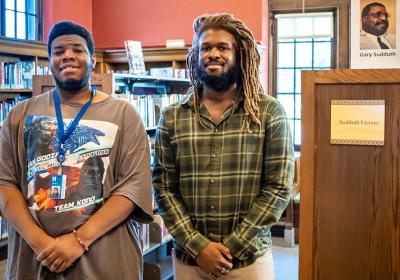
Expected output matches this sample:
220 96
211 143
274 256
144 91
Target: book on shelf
7 104
4 229
153 200
164 231
144 236
181 73
43 70
149 106
18 74
135 57
169 72
141 233
165 72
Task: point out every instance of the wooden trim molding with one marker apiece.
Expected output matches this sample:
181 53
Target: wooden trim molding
23 47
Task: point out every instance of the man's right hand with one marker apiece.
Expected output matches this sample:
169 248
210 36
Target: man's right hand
61 256
215 258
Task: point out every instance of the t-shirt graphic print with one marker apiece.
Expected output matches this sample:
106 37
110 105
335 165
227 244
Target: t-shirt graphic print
87 153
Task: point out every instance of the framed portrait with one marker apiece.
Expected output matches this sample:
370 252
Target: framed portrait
374 34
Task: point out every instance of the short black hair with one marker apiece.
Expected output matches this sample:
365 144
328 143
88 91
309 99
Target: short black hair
67 28
367 8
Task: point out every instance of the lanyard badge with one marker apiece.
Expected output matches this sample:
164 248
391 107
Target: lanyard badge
58 181
62 135
58 185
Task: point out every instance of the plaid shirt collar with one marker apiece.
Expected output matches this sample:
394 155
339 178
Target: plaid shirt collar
188 100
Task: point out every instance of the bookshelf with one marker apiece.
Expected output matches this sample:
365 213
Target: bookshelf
19 61
148 94
115 60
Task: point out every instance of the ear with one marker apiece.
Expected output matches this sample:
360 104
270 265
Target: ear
364 18
93 60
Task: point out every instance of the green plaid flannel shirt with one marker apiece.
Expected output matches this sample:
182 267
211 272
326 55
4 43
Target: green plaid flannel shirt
222 183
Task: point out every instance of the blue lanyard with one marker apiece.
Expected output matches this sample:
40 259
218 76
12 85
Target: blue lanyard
64 135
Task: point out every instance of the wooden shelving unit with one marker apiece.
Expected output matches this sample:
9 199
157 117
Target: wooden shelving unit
116 60
16 91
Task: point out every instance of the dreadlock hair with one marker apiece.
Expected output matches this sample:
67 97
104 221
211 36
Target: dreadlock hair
247 56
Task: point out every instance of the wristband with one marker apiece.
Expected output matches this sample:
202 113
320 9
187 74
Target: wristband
86 248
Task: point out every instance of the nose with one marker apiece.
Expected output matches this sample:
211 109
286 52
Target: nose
214 53
68 54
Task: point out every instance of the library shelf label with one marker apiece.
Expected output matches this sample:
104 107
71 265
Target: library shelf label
358 122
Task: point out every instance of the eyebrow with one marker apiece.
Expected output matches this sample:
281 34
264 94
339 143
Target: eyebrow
219 44
63 45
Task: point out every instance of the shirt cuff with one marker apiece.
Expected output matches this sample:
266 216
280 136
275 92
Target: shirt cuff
238 246
196 244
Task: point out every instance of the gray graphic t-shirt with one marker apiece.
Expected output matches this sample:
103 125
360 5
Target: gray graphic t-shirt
107 154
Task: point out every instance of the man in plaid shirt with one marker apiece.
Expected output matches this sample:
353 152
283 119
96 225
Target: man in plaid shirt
224 159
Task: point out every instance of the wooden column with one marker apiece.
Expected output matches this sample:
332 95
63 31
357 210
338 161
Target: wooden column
350 195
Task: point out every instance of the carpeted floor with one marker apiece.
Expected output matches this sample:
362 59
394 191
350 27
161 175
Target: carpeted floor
286 262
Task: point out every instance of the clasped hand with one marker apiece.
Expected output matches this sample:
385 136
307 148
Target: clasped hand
60 253
215 259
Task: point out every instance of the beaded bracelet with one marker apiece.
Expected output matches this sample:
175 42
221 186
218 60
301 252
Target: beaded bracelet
86 248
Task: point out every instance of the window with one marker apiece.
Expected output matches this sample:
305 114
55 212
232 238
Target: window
20 19
304 41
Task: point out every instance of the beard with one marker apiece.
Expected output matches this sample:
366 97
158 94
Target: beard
377 29
218 82
73 85
382 27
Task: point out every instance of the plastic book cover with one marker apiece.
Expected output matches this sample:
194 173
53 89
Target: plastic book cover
135 57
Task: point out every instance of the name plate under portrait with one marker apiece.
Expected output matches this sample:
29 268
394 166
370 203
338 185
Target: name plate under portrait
358 122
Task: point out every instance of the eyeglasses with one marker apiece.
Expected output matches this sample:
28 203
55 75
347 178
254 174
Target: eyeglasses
379 14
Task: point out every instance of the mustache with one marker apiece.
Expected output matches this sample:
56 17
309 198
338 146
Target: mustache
386 23
214 62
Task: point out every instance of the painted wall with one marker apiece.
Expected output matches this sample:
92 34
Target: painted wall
79 11
154 21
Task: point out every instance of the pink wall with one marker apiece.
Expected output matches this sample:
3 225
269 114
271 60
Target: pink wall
154 21
79 11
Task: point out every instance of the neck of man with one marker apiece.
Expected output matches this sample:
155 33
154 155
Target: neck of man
80 96
210 95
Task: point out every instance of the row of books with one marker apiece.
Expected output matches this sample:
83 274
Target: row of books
150 107
7 104
154 233
18 74
169 72
3 229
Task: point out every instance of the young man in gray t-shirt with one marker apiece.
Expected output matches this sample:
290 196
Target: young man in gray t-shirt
74 166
